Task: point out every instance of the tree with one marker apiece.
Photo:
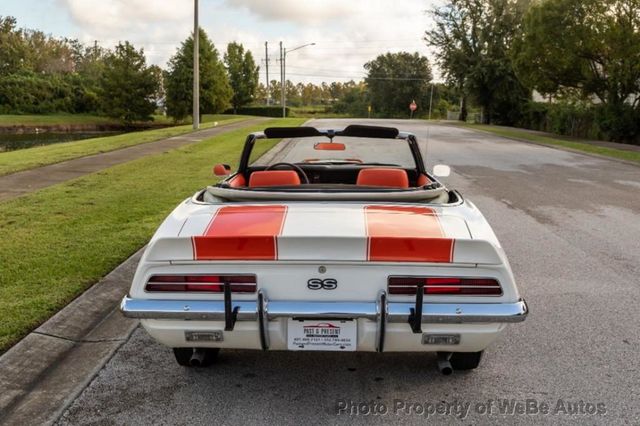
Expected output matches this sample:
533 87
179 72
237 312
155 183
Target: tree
261 93
275 91
243 74
88 68
48 55
13 49
591 47
354 100
396 79
158 76
215 90
473 39
127 85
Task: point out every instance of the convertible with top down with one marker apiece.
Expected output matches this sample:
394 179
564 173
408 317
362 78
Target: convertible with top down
335 240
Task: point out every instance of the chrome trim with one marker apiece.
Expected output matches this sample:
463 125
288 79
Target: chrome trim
210 310
254 284
160 283
440 339
397 312
204 274
441 285
263 320
460 313
381 313
499 285
333 310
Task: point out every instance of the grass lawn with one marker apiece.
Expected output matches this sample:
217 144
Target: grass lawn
58 241
314 111
23 159
576 145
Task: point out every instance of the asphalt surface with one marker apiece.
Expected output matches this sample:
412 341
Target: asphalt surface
570 225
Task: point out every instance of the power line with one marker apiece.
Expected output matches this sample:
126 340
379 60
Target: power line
359 77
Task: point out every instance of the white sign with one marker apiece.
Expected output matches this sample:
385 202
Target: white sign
322 335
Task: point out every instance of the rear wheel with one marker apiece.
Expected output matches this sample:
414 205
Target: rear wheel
206 356
465 360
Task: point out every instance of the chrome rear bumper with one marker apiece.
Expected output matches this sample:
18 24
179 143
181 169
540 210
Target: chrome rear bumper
381 311
440 313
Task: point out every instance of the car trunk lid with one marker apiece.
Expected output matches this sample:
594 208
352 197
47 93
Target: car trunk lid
327 232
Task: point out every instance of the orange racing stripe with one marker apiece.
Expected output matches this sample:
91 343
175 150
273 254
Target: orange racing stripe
241 233
406 234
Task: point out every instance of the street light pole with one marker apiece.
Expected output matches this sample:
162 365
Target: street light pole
196 67
283 64
266 65
282 53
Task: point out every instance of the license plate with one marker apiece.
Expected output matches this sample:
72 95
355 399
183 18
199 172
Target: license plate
322 335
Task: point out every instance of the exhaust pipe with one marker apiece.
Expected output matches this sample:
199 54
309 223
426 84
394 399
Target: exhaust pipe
444 365
197 359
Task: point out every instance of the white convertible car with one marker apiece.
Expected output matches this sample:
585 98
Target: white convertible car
350 245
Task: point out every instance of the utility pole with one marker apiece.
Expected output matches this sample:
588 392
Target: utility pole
283 65
282 58
266 65
431 100
196 67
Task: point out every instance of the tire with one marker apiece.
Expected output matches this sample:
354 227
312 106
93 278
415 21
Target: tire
183 356
465 360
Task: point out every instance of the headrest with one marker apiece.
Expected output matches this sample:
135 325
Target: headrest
274 178
391 178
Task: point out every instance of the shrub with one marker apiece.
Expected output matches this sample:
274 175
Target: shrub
582 120
30 93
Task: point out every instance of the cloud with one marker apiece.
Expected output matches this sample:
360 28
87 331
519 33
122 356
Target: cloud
347 33
346 42
104 16
158 26
298 11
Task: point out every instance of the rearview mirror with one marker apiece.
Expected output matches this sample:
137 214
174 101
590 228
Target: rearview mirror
329 146
222 170
441 170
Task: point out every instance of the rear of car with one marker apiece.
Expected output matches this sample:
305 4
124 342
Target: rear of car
337 276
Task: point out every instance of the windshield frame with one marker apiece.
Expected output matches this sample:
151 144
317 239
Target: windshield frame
409 138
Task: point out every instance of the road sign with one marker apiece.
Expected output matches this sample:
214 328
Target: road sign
413 106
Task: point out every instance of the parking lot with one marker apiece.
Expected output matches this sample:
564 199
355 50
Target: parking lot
569 224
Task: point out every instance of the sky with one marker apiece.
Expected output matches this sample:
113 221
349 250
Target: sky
346 33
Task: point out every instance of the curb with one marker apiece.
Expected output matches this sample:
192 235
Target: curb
44 372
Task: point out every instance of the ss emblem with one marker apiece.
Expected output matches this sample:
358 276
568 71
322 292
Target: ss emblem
318 284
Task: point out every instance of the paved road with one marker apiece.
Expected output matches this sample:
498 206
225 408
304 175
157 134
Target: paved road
570 224
20 183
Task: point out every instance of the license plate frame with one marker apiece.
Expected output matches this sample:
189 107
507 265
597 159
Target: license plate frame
322 335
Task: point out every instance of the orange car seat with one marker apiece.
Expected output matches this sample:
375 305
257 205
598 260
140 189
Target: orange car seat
274 178
390 178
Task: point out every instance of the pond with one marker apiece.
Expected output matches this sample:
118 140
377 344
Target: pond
14 141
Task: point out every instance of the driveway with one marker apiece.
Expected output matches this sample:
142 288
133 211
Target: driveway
570 224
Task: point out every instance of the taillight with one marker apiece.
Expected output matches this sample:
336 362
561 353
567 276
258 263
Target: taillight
445 286
201 283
